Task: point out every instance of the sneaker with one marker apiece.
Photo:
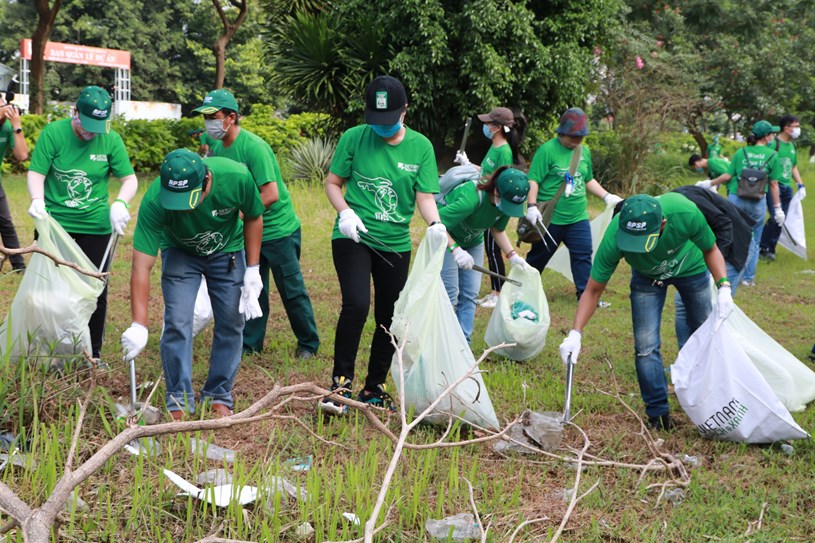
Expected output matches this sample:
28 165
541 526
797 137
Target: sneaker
488 301
378 398
766 256
304 354
811 356
748 283
661 422
342 387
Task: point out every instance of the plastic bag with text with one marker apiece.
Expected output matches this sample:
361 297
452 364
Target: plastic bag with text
723 393
793 238
436 353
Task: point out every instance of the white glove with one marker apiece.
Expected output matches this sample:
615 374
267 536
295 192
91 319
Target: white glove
802 190
134 340
250 291
119 217
461 158
706 184
533 214
611 200
725 302
518 260
438 227
463 258
570 347
350 223
778 216
37 209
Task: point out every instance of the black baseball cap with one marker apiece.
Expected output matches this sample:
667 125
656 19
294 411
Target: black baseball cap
385 100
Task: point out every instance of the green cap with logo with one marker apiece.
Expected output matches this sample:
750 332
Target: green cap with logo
513 189
182 175
640 223
217 100
93 106
762 128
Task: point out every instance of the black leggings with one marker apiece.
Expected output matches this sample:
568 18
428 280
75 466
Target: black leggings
356 264
495 260
94 246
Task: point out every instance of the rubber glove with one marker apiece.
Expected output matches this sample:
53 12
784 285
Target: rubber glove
119 217
802 190
778 216
250 291
461 158
463 258
438 227
725 302
570 347
706 184
518 260
134 340
350 224
37 209
611 200
533 214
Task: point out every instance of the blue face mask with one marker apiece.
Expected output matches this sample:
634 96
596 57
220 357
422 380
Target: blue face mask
386 130
700 169
487 133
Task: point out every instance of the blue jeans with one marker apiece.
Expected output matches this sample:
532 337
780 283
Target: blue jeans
462 287
756 210
577 238
180 278
769 238
647 301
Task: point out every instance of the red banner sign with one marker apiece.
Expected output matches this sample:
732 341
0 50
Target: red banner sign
79 54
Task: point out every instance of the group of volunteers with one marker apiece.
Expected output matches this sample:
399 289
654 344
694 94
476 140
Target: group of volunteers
228 218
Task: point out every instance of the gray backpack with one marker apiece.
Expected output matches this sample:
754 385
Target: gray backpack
753 181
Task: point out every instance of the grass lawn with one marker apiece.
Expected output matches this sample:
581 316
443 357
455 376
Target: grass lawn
131 500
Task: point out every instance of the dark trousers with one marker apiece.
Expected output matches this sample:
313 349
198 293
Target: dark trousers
356 265
8 233
494 259
94 245
577 238
771 233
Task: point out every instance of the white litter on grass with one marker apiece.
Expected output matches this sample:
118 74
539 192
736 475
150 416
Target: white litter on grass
16 459
213 452
220 496
458 527
352 518
304 531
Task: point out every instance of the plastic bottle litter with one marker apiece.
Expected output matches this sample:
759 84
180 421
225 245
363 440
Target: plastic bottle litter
463 527
352 518
675 495
302 463
691 461
304 531
540 430
213 452
788 449
566 494
214 477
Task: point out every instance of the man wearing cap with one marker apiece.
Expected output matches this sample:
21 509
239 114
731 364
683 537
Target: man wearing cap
192 213
570 221
68 178
280 251
756 155
11 138
469 211
666 241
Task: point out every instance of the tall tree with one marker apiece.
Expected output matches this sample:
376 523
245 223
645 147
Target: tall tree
46 15
229 29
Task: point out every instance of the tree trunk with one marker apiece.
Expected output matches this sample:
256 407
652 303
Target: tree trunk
45 23
230 27
220 61
701 141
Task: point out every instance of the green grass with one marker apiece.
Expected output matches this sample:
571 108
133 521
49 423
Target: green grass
131 500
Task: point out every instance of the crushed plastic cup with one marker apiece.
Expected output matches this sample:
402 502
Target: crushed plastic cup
539 430
212 451
459 527
788 449
675 495
690 461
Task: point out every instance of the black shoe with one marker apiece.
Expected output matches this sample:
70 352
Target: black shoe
342 387
811 356
661 422
766 256
304 354
377 398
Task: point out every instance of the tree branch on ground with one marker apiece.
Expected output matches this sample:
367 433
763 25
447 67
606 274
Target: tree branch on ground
33 248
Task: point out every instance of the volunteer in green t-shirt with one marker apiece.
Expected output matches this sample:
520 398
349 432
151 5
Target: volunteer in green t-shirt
712 166
68 178
280 251
469 211
192 214
203 140
666 241
11 139
755 155
380 172
499 127
570 221
788 159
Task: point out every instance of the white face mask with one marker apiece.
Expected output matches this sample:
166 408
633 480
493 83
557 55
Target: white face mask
796 132
215 128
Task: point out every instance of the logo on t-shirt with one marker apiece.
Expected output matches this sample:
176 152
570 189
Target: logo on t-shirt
412 168
78 186
99 158
222 212
385 198
205 243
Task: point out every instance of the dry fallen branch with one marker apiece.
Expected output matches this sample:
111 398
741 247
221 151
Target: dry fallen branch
34 248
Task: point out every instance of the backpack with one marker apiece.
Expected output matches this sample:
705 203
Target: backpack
455 176
752 183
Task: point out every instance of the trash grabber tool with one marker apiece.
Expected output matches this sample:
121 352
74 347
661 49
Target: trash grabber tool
466 134
568 400
382 243
787 230
110 252
543 238
133 398
478 268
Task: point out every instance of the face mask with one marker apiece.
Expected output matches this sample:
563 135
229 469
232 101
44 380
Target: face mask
215 128
796 132
386 130
700 169
486 130
84 134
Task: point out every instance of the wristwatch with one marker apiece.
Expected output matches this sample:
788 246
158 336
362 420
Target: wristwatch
18 130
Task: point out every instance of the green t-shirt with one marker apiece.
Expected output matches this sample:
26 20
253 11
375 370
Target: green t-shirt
759 155
495 158
76 175
549 165
382 181
716 167
787 158
215 226
468 213
279 220
206 139
6 142
678 252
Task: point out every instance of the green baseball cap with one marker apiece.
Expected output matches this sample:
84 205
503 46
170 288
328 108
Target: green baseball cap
640 222
93 106
182 175
217 100
762 128
513 189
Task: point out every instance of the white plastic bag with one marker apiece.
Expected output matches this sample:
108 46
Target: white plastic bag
793 238
561 261
202 312
52 307
724 394
435 351
529 337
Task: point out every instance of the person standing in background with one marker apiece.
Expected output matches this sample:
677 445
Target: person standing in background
11 138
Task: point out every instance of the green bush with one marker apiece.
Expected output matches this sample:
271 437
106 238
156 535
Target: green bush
311 159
